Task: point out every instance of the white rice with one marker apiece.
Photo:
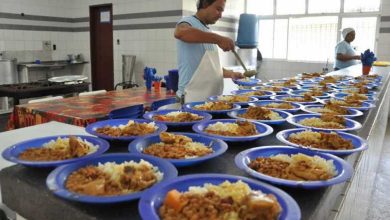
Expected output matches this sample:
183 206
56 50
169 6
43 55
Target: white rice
177 113
219 126
131 122
326 165
116 170
321 110
274 116
63 144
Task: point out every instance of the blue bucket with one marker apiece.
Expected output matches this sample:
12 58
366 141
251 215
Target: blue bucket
248 31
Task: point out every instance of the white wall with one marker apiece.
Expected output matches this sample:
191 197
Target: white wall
383 46
153 47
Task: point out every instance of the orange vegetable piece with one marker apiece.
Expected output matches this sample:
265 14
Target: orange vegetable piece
172 200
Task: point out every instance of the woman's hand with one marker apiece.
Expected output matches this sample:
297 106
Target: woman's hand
232 74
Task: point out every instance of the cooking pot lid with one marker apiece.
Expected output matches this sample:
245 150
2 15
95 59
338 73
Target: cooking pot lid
68 78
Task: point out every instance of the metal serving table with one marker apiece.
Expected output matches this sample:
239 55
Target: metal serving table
24 190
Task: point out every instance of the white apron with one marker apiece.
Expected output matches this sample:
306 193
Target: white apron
207 79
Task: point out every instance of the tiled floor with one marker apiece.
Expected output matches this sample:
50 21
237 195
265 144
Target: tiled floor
380 203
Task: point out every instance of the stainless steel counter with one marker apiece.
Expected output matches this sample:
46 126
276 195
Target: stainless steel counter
343 201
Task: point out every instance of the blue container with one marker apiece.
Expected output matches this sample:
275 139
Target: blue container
167 82
248 31
174 79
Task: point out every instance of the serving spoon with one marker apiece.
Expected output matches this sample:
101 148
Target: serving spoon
247 73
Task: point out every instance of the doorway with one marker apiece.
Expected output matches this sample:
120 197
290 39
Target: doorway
102 58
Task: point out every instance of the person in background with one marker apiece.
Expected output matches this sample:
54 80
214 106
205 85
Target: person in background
200 72
345 54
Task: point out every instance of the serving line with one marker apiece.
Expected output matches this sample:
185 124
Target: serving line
338 201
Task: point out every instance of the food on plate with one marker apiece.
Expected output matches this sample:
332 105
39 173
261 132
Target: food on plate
346 103
239 128
175 146
214 106
283 105
226 201
328 79
331 108
255 93
234 98
355 97
60 149
131 129
321 140
328 121
310 75
110 178
178 116
299 167
260 113
305 98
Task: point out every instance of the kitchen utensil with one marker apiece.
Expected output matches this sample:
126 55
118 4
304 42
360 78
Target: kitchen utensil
247 73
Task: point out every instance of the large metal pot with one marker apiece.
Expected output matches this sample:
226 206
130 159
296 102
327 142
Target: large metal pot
8 71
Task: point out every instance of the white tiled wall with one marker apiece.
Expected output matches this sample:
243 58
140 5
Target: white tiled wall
154 47
383 46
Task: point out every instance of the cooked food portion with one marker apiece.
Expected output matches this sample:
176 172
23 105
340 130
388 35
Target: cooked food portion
234 98
313 92
111 179
226 201
298 167
346 103
355 97
331 108
288 83
131 129
329 79
310 75
260 113
174 146
255 93
60 149
240 128
321 140
178 116
328 121
359 90
214 106
283 105
272 88
305 98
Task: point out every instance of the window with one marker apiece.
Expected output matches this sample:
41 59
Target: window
312 38
273 40
365 29
266 38
321 6
260 7
361 5
288 7
308 30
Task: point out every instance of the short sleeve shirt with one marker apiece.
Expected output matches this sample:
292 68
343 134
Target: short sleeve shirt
189 55
344 48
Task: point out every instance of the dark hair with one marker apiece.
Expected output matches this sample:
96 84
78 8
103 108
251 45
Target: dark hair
201 3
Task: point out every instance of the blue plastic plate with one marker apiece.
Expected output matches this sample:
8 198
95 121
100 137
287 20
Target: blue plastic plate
343 95
350 124
267 95
282 97
296 106
57 178
302 91
251 99
190 107
359 144
12 153
283 114
247 82
366 105
262 129
283 91
351 112
150 115
343 169
151 201
219 147
91 128
346 91
292 86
